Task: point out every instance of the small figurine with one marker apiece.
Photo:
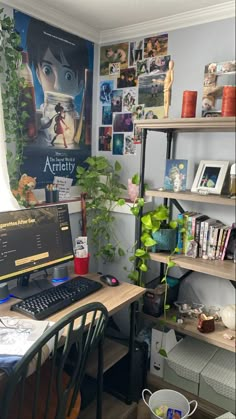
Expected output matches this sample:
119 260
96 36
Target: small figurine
167 88
25 188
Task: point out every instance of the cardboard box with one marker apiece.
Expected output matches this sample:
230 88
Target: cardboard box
186 361
217 380
160 339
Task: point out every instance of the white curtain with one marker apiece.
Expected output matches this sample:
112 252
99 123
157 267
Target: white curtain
7 200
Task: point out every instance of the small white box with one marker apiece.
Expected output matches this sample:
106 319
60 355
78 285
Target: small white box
186 361
164 340
217 380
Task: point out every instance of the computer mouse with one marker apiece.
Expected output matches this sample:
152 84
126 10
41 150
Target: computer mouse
109 280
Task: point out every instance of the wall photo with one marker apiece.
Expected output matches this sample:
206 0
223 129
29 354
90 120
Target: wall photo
59 70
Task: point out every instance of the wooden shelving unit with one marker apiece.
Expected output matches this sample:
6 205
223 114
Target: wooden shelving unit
111 408
191 196
222 269
189 124
189 327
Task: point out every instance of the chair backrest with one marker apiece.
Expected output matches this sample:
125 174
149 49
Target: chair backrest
84 330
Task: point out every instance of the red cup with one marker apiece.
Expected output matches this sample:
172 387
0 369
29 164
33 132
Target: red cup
81 265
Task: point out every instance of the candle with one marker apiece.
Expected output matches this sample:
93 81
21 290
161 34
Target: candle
228 101
189 104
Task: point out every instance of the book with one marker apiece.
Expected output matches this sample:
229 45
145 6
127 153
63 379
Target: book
224 235
17 334
213 235
199 219
206 231
201 236
226 242
180 218
219 241
187 236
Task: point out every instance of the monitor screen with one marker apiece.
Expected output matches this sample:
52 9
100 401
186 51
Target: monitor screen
34 239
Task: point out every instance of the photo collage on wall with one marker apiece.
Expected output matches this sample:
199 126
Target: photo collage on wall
131 87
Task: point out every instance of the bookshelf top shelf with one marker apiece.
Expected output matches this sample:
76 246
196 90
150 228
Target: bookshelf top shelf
189 124
192 196
220 268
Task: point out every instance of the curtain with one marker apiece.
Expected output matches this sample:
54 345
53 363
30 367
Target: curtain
7 200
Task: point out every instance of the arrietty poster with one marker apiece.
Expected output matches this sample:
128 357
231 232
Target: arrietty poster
58 68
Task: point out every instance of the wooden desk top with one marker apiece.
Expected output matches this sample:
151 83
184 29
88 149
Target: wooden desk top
113 298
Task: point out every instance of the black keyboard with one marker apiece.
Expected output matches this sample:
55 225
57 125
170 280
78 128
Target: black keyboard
49 301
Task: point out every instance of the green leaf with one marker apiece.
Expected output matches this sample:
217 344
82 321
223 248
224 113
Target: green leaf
121 252
149 242
139 253
135 211
136 179
170 264
117 166
162 352
121 201
143 267
166 307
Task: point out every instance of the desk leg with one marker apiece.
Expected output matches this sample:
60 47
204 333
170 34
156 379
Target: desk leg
133 308
99 380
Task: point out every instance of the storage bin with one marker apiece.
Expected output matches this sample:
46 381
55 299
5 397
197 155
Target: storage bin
186 361
217 380
227 415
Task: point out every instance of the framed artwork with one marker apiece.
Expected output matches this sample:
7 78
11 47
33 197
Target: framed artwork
210 176
175 175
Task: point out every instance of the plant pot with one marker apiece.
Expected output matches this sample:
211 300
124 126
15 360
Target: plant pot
166 239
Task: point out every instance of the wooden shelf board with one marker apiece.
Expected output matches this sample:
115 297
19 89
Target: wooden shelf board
188 124
189 327
111 408
113 352
223 269
191 196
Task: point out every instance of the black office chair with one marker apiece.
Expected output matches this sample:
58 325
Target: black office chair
50 393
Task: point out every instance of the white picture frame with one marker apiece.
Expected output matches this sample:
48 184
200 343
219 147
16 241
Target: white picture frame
210 176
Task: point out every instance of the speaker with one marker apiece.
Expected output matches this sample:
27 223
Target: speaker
60 272
4 291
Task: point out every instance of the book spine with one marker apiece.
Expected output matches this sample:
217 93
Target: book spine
205 239
188 233
226 243
201 235
225 232
210 241
219 242
215 241
180 218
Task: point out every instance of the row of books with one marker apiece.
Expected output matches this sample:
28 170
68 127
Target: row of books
202 236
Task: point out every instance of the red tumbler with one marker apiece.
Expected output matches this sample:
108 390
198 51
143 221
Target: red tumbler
189 104
228 101
81 265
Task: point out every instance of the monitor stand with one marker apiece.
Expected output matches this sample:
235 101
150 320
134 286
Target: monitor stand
26 287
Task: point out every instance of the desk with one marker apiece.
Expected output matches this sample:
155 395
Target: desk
113 298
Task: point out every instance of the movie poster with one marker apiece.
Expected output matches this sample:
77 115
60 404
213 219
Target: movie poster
58 68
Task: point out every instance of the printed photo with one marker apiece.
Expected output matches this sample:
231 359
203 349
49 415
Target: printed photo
142 67
156 45
106 115
216 76
59 103
122 122
137 135
114 69
154 113
105 137
159 64
127 78
135 52
130 146
118 144
116 100
117 53
138 112
106 87
175 175
129 99
151 90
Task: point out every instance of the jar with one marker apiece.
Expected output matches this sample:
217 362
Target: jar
228 314
59 118
228 101
189 104
232 186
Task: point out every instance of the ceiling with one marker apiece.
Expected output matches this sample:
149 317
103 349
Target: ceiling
102 20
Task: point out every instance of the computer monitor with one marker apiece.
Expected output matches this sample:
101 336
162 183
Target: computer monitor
31 240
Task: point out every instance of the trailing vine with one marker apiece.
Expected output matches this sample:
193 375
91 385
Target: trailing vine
12 85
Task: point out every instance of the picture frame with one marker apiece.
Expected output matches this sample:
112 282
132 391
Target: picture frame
175 175
210 176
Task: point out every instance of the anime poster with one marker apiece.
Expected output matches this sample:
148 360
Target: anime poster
129 99
106 87
156 45
58 67
135 52
118 144
105 137
117 53
175 174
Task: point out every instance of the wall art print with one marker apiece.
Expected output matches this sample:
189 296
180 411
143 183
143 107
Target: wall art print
61 68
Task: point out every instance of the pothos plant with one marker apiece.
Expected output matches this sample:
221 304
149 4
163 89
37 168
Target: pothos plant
12 85
100 184
151 222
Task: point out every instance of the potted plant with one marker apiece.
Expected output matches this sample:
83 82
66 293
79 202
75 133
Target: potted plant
101 189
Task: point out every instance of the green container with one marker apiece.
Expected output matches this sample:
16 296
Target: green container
166 239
